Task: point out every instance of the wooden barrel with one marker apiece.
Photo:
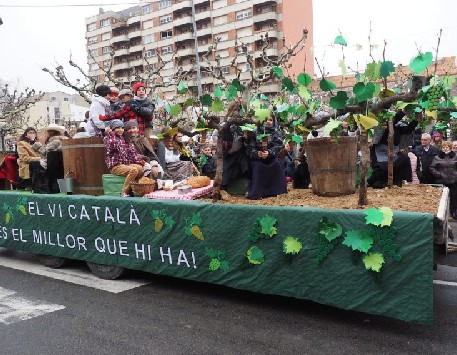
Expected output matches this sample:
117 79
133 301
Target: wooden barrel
85 157
332 165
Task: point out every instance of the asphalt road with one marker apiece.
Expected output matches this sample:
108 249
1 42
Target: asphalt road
161 315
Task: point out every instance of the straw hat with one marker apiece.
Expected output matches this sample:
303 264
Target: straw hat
55 127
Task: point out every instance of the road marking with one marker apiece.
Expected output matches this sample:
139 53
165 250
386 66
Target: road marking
14 308
447 283
23 262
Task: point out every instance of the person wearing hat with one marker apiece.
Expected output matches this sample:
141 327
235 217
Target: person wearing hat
145 108
121 157
100 106
115 101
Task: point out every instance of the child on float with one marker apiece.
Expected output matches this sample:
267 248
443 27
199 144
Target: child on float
121 157
208 163
144 109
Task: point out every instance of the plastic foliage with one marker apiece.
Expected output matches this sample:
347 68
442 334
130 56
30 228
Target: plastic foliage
340 40
421 62
304 79
327 85
331 125
193 226
384 237
287 84
8 213
218 92
373 71
291 245
182 87
339 101
386 69
324 245
363 92
278 72
206 100
304 92
248 127
263 135
262 114
255 256
231 93
358 240
161 219
264 228
328 229
20 205
218 106
366 121
373 261
203 160
175 110
379 217
217 260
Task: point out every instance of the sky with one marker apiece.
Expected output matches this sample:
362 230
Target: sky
33 37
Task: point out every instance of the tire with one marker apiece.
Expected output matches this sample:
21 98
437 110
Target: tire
54 262
107 272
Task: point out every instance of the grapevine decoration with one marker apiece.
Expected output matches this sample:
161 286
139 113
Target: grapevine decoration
8 213
327 238
160 219
291 245
264 228
255 256
20 205
217 260
193 228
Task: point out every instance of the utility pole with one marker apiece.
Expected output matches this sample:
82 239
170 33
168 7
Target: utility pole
197 58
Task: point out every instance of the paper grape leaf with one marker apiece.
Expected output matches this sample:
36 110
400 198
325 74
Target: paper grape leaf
231 93
340 40
374 216
421 62
388 216
373 261
328 229
262 114
358 240
373 71
297 139
168 108
224 265
342 65
291 245
206 100
363 92
211 253
218 92
365 121
448 81
278 72
288 84
304 92
267 223
218 106
263 97
331 125
196 218
256 104
338 102
236 83
168 221
327 85
248 127
255 256
304 79
189 102
182 87
387 67
176 110
283 107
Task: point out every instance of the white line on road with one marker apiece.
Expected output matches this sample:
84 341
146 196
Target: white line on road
19 261
447 283
14 308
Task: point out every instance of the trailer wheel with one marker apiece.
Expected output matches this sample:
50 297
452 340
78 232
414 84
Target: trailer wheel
54 262
107 272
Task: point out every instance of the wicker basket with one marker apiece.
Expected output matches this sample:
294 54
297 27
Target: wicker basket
141 189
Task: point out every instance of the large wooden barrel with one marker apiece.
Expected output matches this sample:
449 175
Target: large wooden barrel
332 165
85 158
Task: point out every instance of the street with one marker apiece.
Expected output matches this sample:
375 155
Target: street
69 311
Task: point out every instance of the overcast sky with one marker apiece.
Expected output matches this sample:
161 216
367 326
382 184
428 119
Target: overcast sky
34 37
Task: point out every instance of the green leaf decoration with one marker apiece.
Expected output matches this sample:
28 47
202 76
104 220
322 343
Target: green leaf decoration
255 256
388 216
338 102
304 92
363 92
448 81
287 84
297 139
188 103
421 62
262 114
283 107
196 218
218 106
267 223
327 85
373 71
182 87
218 92
168 221
206 100
291 245
340 40
373 261
203 160
211 253
387 67
176 110
236 83
231 93
374 216
224 265
342 65
278 72
188 230
263 97
256 104
304 79
328 229
358 240
248 127
331 125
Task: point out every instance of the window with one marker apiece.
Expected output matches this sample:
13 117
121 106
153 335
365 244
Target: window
106 36
153 66
241 15
65 99
106 50
94 53
94 66
150 53
166 34
91 27
148 39
105 22
225 70
56 112
92 40
168 65
167 49
248 66
164 3
146 9
166 19
53 98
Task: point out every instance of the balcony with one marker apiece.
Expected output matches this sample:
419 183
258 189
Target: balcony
122 51
204 47
202 15
120 38
266 17
134 34
136 63
198 2
184 37
264 2
185 20
118 24
271 52
121 66
179 5
186 52
205 32
134 19
271 34
137 48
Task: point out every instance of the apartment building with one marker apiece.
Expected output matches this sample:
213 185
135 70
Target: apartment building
136 35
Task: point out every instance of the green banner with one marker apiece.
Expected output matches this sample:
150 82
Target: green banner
369 261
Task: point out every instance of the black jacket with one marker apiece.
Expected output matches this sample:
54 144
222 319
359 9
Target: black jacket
424 160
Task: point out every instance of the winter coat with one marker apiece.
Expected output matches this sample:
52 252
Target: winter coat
99 106
425 158
26 155
209 168
275 144
444 168
146 110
